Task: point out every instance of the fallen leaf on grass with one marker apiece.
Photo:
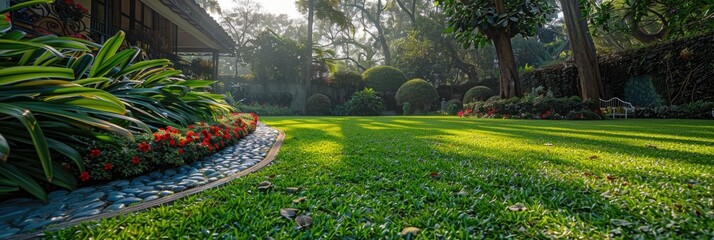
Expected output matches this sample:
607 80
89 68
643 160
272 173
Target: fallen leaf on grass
410 230
461 193
299 200
620 222
610 177
264 185
303 221
593 157
548 144
644 228
517 207
651 146
288 213
434 175
292 189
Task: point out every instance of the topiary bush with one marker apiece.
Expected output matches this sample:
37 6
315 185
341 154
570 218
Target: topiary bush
346 79
362 103
478 93
318 104
641 92
418 93
453 106
384 78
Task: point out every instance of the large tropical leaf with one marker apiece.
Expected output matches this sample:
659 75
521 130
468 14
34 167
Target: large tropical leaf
22 180
38 138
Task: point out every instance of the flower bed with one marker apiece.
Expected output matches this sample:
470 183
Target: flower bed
539 107
166 147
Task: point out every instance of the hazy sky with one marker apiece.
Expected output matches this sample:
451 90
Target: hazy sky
272 6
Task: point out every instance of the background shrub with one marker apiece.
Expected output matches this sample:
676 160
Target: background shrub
418 93
346 79
384 78
453 106
362 103
478 93
641 92
318 104
265 109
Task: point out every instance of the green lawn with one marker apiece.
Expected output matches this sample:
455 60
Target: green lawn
370 177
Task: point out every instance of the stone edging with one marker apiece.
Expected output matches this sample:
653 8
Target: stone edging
168 199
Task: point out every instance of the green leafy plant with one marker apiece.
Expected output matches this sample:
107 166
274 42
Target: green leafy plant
318 104
641 92
419 93
384 78
453 106
362 103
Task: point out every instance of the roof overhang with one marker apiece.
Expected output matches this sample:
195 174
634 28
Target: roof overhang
197 31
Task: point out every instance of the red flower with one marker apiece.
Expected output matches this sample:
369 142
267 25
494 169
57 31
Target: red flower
135 160
94 153
107 166
460 113
182 142
180 151
190 126
157 137
84 176
172 142
7 17
144 147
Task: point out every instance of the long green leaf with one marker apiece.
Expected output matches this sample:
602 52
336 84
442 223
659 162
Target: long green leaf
38 138
108 50
23 73
13 47
4 148
145 65
23 180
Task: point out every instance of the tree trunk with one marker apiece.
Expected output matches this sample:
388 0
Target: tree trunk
509 83
308 54
583 50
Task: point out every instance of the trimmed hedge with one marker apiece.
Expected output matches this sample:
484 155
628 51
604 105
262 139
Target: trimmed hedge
538 107
384 78
418 93
318 104
478 93
682 71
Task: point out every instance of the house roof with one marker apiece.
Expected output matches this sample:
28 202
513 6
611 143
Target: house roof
198 31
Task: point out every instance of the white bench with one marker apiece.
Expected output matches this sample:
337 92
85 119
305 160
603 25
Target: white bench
616 107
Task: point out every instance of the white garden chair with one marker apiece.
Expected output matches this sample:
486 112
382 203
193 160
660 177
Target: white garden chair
616 107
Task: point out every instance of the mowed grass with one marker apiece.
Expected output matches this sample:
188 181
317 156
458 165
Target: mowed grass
455 178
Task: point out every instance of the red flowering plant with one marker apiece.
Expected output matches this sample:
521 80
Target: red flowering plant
164 148
538 107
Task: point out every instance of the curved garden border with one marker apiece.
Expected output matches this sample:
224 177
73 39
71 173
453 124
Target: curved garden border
167 200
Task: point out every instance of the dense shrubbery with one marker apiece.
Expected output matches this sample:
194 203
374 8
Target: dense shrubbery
418 93
167 147
318 104
453 106
384 78
641 92
346 79
362 103
535 107
478 93
265 109
693 110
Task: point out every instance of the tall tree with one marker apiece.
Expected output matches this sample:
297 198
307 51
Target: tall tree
372 14
325 10
475 22
583 49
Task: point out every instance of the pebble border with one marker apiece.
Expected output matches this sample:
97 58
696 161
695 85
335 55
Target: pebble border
268 157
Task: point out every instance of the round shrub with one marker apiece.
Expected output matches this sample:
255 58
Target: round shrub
364 103
346 79
453 106
384 78
418 93
318 104
478 93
